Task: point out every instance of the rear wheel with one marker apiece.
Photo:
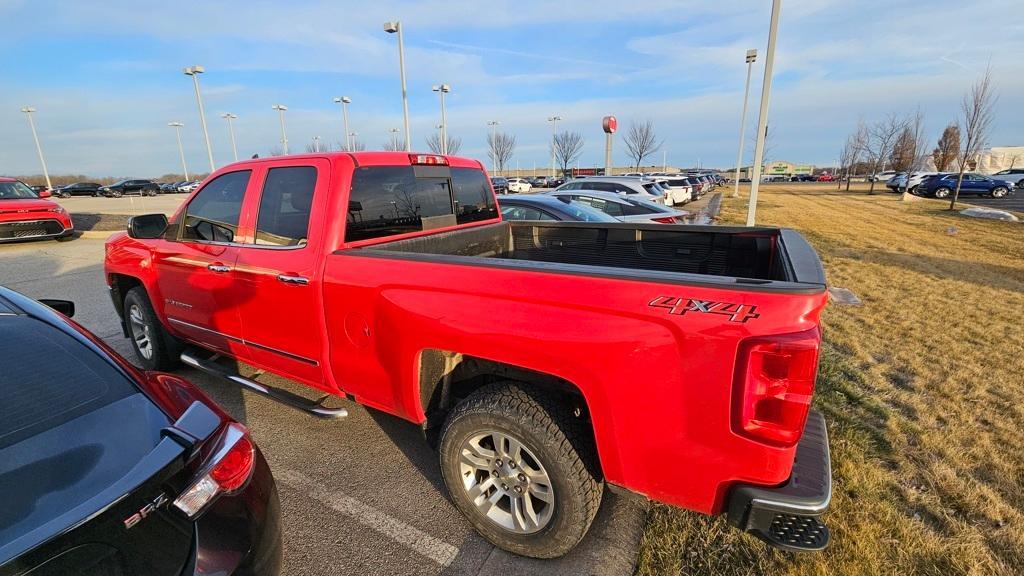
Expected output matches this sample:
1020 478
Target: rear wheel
522 467
999 192
154 347
943 192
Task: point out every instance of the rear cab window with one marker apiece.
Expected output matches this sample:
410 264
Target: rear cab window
392 200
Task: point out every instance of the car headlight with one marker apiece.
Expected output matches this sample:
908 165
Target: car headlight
59 210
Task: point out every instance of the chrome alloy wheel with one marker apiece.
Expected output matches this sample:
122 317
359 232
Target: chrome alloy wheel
506 482
141 333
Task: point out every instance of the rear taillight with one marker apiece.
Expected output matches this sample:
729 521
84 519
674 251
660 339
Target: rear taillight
428 159
774 384
228 469
666 220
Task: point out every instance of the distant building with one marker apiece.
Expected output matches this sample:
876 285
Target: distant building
776 168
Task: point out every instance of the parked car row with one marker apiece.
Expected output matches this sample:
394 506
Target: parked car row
122 188
942 185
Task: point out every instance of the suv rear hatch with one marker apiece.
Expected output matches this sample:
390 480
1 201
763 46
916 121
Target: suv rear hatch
87 466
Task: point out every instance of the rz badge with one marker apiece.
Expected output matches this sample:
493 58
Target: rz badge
680 306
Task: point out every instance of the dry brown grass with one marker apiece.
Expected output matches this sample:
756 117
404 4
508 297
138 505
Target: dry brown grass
922 387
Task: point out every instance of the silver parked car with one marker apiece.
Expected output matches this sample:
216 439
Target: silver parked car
625 207
625 185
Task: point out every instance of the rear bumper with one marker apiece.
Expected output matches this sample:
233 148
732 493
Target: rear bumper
787 516
15 230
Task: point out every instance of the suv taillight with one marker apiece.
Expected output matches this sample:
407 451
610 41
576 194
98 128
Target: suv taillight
666 219
774 384
229 469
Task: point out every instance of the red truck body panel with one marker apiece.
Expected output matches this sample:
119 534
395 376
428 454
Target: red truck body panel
659 387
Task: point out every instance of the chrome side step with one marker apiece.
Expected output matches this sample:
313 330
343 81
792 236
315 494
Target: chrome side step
285 397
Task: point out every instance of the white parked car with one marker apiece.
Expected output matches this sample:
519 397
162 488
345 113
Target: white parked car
678 190
1015 175
519 185
899 181
627 208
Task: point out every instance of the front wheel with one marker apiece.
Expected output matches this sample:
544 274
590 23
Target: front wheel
521 465
943 192
154 347
999 192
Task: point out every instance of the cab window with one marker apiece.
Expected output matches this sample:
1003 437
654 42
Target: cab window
212 216
285 206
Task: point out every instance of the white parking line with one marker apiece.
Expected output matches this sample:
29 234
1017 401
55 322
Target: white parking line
416 540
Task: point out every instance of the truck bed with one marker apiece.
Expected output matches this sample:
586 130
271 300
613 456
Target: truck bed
773 258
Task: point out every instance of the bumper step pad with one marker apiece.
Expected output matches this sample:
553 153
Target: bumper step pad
797 533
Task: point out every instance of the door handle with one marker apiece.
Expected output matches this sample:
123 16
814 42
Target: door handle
299 280
219 268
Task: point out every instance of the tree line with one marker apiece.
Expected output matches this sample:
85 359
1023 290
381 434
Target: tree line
899 143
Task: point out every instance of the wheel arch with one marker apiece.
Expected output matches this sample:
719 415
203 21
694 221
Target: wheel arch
446 377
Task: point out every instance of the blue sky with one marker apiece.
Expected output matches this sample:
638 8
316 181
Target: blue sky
106 77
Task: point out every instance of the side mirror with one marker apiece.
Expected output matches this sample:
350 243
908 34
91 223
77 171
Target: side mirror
65 307
45 194
147 226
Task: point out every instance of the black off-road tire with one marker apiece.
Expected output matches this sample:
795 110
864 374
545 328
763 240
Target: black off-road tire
561 440
166 349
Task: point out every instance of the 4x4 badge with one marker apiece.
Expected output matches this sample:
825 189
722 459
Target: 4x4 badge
680 306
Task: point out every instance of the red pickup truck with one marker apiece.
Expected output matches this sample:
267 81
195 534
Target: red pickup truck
546 360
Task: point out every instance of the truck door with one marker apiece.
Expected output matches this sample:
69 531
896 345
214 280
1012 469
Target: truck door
195 266
279 271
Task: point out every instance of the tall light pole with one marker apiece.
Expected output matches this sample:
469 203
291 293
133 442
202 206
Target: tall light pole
751 58
352 138
345 101
554 122
181 151
316 144
762 119
394 137
284 137
28 110
443 89
392 28
494 136
194 72
231 130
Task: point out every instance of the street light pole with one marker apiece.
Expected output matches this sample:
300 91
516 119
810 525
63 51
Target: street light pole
194 72
762 119
181 151
751 58
394 138
352 138
28 110
345 101
284 137
392 28
494 136
443 89
554 122
231 130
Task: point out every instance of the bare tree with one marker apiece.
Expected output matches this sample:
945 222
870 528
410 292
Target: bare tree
357 145
848 158
881 136
976 108
393 144
912 146
568 147
434 143
276 151
945 154
318 145
500 149
641 141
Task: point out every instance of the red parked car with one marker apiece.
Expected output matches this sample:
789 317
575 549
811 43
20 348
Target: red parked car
544 359
826 178
26 214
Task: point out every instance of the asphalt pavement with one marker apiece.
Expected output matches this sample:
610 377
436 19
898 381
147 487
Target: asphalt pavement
361 495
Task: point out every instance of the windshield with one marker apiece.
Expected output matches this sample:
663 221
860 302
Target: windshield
585 213
16 191
651 206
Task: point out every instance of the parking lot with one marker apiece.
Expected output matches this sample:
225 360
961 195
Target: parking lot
361 495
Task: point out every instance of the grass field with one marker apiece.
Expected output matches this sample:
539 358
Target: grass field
923 389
